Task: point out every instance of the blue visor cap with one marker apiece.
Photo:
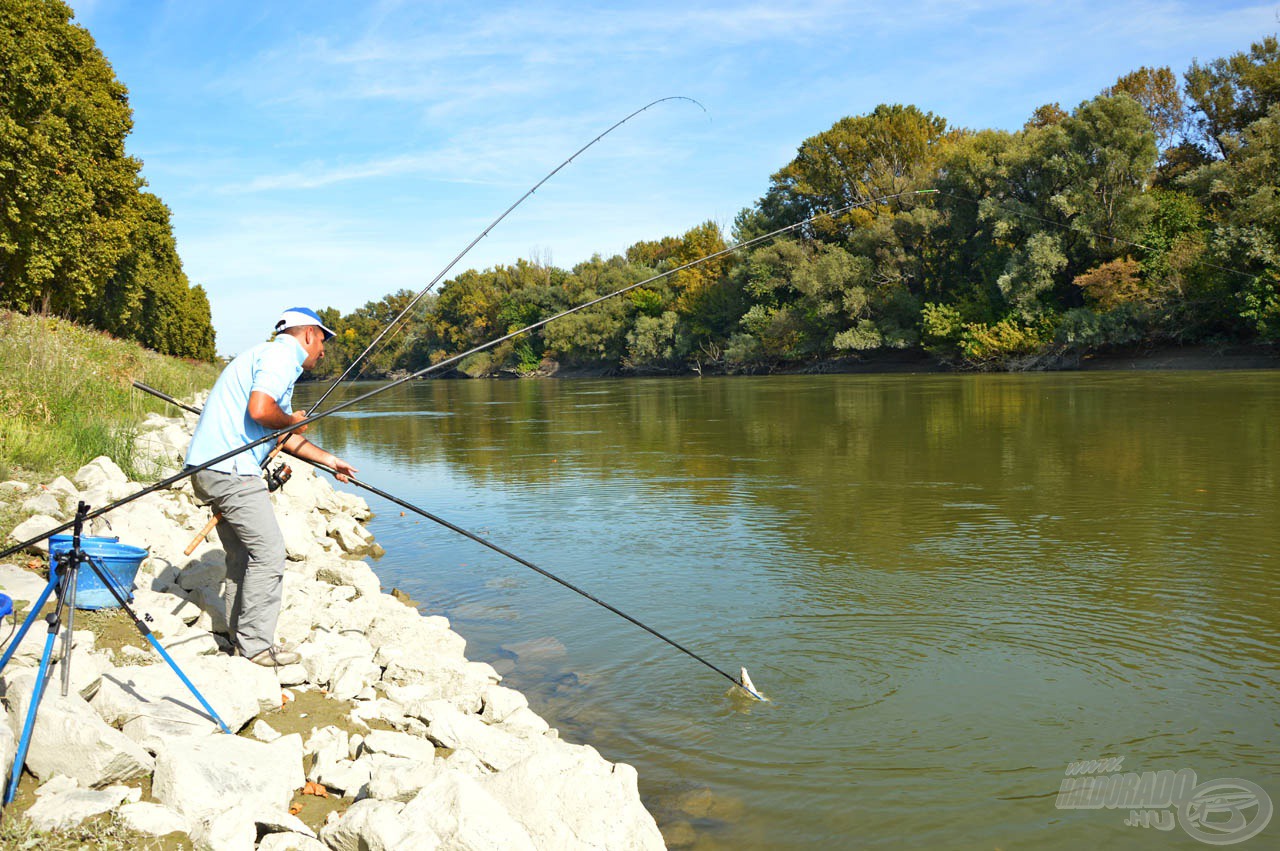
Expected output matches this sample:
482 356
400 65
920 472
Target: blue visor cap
296 317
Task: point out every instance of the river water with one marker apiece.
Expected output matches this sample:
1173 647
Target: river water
950 586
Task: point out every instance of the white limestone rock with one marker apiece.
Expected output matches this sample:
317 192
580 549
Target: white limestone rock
526 723
190 642
323 651
264 732
66 808
153 819
32 646
33 526
290 842
101 470
402 635
43 503
500 702
393 778
159 604
328 739
458 809
62 486
299 536
213 609
237 689
87 668
342 593
349 534
353 505
373 825
357 574
8 749
400 745
301 600
208 572
465 762
382 709
69 738
21 584
496 748
291 675
353 614
462 684
230 829
569 797
130 655
97 473
204 776
348 777
351 676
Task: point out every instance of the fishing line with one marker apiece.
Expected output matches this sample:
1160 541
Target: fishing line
744 682
364 397
394 322
405 312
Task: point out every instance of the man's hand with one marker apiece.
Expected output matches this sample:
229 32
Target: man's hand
297 417
342 470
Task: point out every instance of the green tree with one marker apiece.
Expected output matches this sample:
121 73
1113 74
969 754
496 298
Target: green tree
78 237
859 160
1232 92
1157 91
65 182
1243 194
1046 115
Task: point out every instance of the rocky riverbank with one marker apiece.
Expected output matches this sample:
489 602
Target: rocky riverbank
384 736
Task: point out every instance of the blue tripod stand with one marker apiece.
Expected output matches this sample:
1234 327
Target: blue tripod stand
63 573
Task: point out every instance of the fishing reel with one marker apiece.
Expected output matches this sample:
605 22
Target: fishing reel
277 477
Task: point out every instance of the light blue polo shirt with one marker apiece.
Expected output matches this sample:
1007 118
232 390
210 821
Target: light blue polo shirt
271 367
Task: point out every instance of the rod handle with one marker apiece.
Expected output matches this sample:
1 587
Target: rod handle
202 534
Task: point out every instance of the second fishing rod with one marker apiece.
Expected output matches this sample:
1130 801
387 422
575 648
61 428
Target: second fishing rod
169 481
277 477
743 681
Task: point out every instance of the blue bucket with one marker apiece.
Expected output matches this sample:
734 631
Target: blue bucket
120 561
62 543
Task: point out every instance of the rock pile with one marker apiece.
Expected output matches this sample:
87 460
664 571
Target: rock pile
434 752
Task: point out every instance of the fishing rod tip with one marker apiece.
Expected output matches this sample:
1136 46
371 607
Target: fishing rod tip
693 101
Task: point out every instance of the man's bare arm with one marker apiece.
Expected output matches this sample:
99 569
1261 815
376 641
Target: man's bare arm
264 411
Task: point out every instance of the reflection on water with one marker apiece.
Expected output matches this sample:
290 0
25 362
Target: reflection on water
951 586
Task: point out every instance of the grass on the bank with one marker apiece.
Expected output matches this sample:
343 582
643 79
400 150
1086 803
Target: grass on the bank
102 833
66 395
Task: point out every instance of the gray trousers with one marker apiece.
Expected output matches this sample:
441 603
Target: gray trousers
255 555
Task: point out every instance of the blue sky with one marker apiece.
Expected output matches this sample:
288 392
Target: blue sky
328 153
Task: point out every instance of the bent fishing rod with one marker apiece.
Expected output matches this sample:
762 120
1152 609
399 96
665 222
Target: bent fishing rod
203 533
277 434
405 312
743 681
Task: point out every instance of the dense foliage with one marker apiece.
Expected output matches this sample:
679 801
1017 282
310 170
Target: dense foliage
1148 214
79 236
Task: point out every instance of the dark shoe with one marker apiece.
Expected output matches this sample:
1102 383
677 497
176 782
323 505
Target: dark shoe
275 657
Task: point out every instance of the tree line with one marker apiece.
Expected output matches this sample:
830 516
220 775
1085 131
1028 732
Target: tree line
80 237
1147 214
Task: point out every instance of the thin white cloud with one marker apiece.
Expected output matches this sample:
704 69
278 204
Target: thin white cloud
312 145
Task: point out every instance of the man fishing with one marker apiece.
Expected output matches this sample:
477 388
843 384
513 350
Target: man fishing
252 398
